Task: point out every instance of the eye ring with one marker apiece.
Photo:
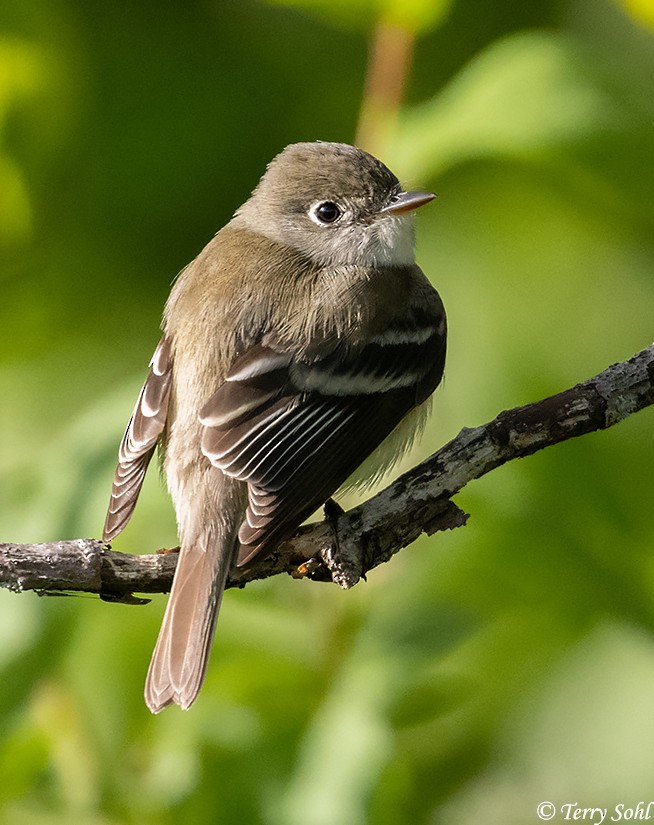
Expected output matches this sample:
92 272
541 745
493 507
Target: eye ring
326 212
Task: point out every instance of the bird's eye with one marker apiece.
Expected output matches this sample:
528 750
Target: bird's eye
327 212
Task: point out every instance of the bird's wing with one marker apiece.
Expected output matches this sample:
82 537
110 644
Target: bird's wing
137 447
296 427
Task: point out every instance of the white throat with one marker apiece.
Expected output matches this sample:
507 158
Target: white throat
386 241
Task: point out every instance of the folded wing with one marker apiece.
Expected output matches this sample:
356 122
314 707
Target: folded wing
140 440
295 427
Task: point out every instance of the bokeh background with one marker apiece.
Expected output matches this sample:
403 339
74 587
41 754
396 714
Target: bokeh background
482 671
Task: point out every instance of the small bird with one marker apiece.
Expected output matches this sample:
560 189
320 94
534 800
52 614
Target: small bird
300 340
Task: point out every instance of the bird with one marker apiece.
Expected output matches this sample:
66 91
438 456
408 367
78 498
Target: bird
300 347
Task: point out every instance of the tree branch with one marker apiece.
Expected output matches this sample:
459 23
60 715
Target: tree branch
346 546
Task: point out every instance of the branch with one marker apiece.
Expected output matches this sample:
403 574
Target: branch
349 544
386 78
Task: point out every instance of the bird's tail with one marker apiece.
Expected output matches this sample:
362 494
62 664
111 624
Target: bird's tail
180 657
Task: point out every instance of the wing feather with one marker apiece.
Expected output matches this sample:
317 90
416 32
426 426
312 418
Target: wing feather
140 440
295 426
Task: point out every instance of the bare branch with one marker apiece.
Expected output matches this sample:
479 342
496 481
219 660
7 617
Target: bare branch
347 546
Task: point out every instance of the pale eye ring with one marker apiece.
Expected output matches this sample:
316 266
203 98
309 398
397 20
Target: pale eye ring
326 212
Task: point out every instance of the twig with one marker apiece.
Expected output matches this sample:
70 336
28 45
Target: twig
389 63
419 501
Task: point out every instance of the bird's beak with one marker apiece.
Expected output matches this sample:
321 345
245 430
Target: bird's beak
406 202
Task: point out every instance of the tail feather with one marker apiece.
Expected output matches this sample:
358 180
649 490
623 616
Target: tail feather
180 657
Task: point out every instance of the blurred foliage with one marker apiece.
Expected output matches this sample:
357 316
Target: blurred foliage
418 16
481 671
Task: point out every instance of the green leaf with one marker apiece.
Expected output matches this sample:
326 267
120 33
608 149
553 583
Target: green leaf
524 94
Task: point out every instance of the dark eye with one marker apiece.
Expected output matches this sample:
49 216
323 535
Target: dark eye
327 212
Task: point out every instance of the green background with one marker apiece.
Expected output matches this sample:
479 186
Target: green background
481 671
